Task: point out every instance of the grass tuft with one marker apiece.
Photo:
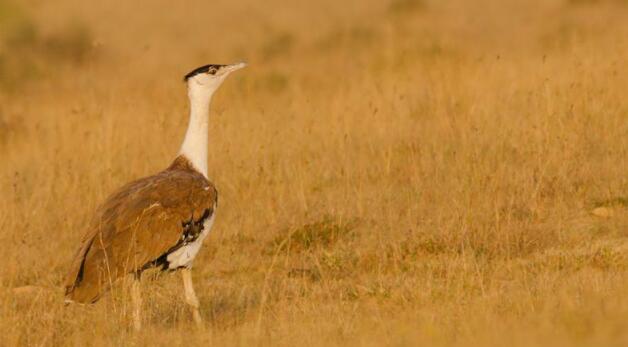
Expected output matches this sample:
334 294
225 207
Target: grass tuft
322 234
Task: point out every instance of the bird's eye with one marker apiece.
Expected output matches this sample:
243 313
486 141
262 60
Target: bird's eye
212 71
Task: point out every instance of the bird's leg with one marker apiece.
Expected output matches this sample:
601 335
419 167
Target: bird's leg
136 296
190 295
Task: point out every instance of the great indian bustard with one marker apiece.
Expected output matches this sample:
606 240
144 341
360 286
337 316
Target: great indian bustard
156 221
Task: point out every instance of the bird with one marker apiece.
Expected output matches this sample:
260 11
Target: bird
159 221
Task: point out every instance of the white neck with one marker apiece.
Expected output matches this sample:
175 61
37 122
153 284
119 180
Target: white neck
195 144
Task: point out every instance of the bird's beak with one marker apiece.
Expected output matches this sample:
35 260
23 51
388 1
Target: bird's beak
234 67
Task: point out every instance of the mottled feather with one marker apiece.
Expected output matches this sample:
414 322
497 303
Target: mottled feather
135 226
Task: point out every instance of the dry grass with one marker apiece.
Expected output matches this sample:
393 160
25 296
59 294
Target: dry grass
391 173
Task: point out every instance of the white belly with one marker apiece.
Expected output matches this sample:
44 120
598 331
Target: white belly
186 254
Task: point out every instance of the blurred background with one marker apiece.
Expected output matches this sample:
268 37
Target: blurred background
444 172
162 39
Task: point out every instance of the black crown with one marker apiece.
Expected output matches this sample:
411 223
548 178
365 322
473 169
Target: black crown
202 69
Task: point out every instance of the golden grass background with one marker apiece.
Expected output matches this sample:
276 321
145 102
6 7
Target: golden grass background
401 173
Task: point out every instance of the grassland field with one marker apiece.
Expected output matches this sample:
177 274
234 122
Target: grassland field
391 173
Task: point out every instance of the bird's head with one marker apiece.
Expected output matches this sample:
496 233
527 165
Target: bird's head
207 78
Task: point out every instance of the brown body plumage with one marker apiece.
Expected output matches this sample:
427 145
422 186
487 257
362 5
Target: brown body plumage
137 226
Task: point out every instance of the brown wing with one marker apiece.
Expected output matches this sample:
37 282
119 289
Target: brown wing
135 226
